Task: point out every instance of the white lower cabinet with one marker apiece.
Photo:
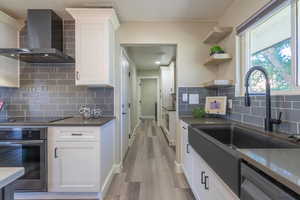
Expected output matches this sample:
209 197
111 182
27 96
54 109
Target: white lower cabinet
80 159
198 177
186 154
74 167
204 182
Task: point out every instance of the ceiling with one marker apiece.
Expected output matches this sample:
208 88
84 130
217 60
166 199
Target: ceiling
145 57
128 10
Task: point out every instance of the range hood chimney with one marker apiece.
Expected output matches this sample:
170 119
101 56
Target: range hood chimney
44 39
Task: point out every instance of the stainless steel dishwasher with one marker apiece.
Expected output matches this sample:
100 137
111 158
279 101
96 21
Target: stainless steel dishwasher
255 185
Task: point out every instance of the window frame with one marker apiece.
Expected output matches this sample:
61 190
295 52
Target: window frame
243 41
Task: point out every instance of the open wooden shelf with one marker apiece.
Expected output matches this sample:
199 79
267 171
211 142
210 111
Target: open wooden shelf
217 34
218 83
217 59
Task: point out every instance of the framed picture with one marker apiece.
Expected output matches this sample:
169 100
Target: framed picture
216 105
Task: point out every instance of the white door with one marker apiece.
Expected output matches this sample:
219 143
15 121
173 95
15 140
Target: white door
74 167
125 112
187 157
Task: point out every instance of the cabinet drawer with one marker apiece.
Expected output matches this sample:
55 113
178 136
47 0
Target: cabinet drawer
74 133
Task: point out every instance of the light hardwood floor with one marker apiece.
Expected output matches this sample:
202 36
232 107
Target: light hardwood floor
148 172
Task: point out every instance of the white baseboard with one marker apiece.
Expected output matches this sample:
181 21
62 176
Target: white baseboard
73 195
147 117
118 168
109 179
178 167
134 134
172 142
167 134
59 195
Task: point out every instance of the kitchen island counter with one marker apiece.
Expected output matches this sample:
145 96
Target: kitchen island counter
9 175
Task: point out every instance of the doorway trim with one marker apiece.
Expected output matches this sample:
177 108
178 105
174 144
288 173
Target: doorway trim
123 55
157 78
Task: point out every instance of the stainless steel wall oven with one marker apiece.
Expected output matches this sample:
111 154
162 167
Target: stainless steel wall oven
25 147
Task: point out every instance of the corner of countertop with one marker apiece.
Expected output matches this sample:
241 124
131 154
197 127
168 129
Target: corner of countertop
190 120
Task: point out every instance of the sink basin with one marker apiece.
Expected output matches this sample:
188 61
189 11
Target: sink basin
217 145
236 136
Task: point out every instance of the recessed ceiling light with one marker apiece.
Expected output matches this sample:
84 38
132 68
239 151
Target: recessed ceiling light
157 62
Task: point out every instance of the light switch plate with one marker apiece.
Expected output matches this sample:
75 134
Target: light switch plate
184 97
230 103
194 99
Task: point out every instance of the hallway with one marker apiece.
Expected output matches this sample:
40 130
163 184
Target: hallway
148 172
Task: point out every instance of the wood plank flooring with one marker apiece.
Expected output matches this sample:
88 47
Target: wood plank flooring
149 170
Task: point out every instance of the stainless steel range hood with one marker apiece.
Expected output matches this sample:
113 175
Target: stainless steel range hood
44 39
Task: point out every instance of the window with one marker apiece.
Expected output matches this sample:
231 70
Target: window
270 42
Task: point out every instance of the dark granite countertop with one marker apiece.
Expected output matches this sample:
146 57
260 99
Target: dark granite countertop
78 121
169 108
193 121
281 164
71 121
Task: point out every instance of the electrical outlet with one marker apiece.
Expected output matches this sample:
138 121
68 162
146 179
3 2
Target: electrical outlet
194 99
184 97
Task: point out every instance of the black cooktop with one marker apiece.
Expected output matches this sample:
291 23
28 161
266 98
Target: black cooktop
32 119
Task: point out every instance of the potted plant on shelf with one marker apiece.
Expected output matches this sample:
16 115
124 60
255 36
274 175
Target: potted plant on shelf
216 50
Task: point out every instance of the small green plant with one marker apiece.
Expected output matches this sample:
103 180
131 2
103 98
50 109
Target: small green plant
216 49
198 113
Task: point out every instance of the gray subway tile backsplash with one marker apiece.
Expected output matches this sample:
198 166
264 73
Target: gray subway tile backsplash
289 105
253 120
280 103
49 89
185 109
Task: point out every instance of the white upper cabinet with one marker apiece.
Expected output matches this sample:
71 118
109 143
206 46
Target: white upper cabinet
95 45
9 67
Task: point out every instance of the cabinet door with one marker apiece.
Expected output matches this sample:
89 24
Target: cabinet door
183 145
74 167
198 177
9 70
172 127
219 190
214 187
91 61
187 159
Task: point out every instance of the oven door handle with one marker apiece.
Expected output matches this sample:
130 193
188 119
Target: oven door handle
25 142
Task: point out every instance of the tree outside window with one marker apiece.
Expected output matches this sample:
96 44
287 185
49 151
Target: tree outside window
277 61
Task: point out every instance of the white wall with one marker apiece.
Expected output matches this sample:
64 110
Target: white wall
148 97
148 73
190 50
236 14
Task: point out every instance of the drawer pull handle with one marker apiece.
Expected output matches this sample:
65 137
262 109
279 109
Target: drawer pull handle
55 152
202 177
76 134
187 148
77 76
206 182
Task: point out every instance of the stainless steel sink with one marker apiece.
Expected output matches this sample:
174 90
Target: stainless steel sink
217 143
236 136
